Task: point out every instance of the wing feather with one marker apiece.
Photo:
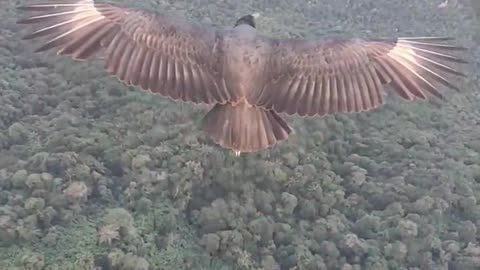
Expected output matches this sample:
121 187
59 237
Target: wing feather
328 77
144 78
342 98
153 72
151 51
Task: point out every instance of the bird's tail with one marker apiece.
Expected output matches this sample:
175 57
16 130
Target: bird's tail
244 128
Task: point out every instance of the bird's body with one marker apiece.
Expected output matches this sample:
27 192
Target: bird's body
249 78
242 64
241 123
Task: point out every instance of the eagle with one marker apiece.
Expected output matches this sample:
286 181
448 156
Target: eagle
247 78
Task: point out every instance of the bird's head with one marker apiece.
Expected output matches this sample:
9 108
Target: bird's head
248 19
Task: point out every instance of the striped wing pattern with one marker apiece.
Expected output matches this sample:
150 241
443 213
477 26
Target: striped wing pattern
173 59
324 78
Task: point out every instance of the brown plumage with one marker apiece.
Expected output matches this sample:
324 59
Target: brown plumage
248 77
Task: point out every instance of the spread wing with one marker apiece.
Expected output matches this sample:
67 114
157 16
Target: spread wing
174 59
321 78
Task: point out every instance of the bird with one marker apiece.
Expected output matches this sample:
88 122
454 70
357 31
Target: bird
249 79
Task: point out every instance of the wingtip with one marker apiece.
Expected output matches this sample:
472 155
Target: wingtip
28 7
461 74
426 38
40 49
462 61
22 21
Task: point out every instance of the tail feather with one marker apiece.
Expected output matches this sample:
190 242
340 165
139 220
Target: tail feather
244 128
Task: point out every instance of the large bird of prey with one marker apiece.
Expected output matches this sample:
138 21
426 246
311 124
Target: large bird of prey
248 78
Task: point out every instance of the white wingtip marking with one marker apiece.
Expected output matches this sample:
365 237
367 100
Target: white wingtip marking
404 50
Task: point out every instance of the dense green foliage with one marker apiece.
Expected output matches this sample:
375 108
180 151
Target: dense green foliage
92 174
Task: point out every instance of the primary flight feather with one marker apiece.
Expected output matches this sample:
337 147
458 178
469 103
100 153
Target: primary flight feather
249 78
